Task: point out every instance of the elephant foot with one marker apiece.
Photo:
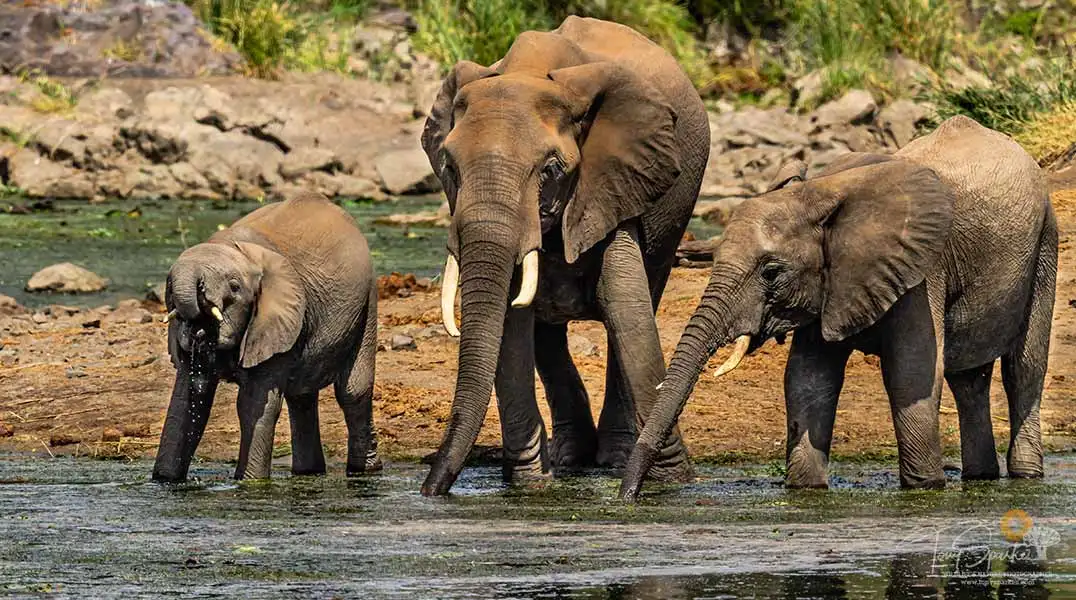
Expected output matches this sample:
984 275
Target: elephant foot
372 464
806 475
980 473
1024 460
681 472
922 482
570 449
1025 471
614 449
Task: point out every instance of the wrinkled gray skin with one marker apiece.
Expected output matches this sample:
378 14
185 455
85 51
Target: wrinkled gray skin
295 286
588 143
939 259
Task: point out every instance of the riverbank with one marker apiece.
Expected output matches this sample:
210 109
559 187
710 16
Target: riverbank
97 383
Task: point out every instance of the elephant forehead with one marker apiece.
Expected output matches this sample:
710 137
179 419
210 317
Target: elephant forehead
514 93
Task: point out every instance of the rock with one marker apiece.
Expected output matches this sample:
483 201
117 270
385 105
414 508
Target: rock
774 126
724 191
135 431
909 75
8 357
717 211
63 439
808 90
156 293
129 311
37 177
111 434
59 310
697 253
304 160
6 430
75 372
67 278
579 345
9 307
406 172
39 318
92 323
358 188
899 121
105 104
403 342
856 106
151 182
960 76
397 285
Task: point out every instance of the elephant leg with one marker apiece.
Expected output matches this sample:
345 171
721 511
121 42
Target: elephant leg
522 430
912 371
307 457
574 437
814 376
978 454
616 425
627 311
1023 369
354 390
258 405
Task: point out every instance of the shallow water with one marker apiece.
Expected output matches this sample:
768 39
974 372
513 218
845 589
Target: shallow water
134 243
84 528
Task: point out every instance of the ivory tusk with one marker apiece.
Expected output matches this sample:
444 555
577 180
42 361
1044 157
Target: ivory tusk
171 315
449 284
529 285
739 350
216 313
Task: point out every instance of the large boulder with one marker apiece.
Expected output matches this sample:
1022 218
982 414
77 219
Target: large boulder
37 176
407 171
855 107
66 277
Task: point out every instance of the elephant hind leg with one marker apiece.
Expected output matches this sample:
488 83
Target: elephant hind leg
1023 369
971 389
574 438
354 390
307 457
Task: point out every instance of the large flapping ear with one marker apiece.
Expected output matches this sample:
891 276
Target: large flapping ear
791 172
279 308
439 122
886 225
629 153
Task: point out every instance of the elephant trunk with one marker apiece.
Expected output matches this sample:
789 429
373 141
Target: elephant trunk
705 333
184 278
188 412
489 234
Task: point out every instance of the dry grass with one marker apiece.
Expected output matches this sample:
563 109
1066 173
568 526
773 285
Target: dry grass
1050 134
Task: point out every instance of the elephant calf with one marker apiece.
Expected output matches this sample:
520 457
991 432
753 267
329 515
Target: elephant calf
940 259
283 303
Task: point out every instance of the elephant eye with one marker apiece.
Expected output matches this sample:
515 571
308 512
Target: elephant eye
234 285
771 272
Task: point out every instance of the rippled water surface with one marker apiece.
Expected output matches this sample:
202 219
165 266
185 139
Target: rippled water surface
81 528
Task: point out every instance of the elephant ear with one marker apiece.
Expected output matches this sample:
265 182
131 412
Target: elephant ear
277 317
439 122
791 172
886 225
629 154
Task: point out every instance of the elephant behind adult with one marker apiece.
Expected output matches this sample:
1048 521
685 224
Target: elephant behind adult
579 156
282 302
940 258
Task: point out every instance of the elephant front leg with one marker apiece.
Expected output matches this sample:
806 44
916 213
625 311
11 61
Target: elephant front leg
522 430
814 376
912 370
258 405
635 354
575 440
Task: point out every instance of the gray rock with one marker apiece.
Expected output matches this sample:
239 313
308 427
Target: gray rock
808 89
304 160
40 318
774 126
579 345
358 188
37 176
9 307
66 277
899 120
717 211
401 341
909 75
104 104
75 372
856 106
405 172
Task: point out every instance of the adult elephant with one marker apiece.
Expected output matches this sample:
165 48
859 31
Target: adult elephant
940 259
578 156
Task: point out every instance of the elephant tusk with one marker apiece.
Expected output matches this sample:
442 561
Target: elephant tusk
529 286
171 315
448 295
738 352
216 313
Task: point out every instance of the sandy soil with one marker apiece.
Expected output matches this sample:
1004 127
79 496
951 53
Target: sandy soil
74 387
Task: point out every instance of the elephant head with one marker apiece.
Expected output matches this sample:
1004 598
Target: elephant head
541 152
230 297
840 248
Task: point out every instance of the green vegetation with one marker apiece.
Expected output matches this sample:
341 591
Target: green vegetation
50 95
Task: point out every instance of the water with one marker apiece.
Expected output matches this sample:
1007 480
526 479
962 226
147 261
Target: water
134 243
82 528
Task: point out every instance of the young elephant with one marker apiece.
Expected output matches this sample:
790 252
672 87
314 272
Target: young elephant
571 167
283 303
940 259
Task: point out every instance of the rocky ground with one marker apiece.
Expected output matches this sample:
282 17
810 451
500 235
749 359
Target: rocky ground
97 382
